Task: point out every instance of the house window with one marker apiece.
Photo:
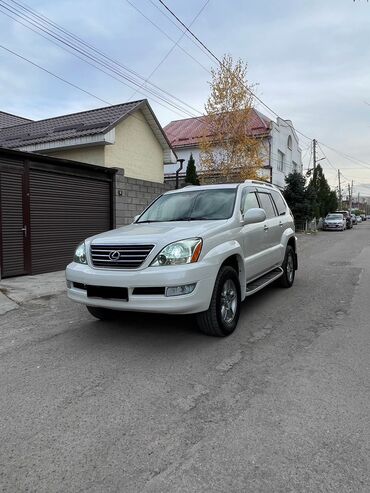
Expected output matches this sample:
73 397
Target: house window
290 142
280 161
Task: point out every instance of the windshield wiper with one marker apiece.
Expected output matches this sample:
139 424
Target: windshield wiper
148 221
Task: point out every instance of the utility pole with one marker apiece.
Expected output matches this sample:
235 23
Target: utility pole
314 143
339 191
350 191
358 200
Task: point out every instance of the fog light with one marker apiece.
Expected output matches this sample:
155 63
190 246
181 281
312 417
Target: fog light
179 290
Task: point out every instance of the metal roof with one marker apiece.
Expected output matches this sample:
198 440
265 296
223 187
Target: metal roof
9 120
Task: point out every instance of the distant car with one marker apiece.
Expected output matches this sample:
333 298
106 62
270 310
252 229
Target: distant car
367 217
359 219
347 217
334 221
354 219
363 217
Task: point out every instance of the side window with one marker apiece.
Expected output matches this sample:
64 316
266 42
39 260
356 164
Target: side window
279 202
266 204
249 201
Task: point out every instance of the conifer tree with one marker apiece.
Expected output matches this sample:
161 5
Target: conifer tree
191 172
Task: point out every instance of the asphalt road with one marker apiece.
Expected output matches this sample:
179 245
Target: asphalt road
146 403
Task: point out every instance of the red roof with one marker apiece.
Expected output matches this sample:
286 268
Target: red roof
189 132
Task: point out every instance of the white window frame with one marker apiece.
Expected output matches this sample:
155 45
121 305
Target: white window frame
281 157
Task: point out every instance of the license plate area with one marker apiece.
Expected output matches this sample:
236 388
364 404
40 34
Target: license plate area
107 292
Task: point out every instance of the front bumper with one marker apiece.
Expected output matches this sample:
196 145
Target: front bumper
203 275
333 226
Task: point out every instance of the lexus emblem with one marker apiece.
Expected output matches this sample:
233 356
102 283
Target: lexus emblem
114 255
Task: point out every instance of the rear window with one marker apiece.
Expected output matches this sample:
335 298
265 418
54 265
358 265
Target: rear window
279 202
266 204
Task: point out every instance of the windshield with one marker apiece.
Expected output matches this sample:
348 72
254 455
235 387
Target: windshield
196 205
334 216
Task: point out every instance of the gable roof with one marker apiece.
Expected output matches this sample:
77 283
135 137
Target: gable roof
9 120
80 129
75 125
188 132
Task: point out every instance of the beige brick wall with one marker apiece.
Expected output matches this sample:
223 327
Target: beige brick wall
136 150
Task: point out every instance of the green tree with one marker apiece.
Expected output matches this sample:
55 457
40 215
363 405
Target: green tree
326 199
191 172
296 196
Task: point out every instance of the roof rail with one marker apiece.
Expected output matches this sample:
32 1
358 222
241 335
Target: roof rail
260 182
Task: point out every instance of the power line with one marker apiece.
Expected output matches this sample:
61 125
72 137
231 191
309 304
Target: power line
251 92
167 36
172 48
48 28
55 75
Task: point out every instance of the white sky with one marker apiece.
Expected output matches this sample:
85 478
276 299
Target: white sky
310 59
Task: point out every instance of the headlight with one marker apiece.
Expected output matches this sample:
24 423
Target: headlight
179 252
80 254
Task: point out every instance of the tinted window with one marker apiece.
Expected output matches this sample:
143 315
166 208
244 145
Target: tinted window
194 205
279 202
249 201
266 204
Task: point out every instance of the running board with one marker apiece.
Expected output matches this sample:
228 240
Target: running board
263 281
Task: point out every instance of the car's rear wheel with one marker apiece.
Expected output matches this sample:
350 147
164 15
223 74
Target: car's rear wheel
288 266
101 313
222 316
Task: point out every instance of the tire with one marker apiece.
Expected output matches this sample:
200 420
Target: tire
221 318
287 279
101 313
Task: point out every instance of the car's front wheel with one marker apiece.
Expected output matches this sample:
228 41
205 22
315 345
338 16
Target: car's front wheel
101 313
222 316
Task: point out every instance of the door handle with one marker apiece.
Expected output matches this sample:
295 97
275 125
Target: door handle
24 229
281 223
266 228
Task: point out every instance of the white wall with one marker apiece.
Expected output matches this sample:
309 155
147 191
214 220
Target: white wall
279 142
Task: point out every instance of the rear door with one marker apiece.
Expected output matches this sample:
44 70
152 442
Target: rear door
253 238
272 230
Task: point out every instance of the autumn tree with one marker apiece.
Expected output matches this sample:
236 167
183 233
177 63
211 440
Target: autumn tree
191 172
229 151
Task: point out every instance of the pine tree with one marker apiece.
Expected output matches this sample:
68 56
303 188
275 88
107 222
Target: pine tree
326 200
295 195
191 172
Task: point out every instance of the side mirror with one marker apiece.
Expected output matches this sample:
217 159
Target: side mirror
253 216
136 218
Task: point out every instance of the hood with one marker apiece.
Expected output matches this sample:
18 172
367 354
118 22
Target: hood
158 233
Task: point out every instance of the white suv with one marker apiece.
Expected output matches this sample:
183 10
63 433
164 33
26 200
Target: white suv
201 249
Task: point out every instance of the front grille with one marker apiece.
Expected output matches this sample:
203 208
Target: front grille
119 256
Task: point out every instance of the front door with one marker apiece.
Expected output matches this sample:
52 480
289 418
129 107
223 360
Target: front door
13 223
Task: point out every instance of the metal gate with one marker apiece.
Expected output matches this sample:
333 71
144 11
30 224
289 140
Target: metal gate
64 211
47 207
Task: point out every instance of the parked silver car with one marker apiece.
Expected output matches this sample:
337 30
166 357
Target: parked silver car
334 221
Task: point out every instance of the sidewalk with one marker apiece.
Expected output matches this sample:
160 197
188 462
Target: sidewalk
18 290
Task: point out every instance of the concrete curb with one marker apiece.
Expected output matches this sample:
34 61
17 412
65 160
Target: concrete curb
19 290
6 304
